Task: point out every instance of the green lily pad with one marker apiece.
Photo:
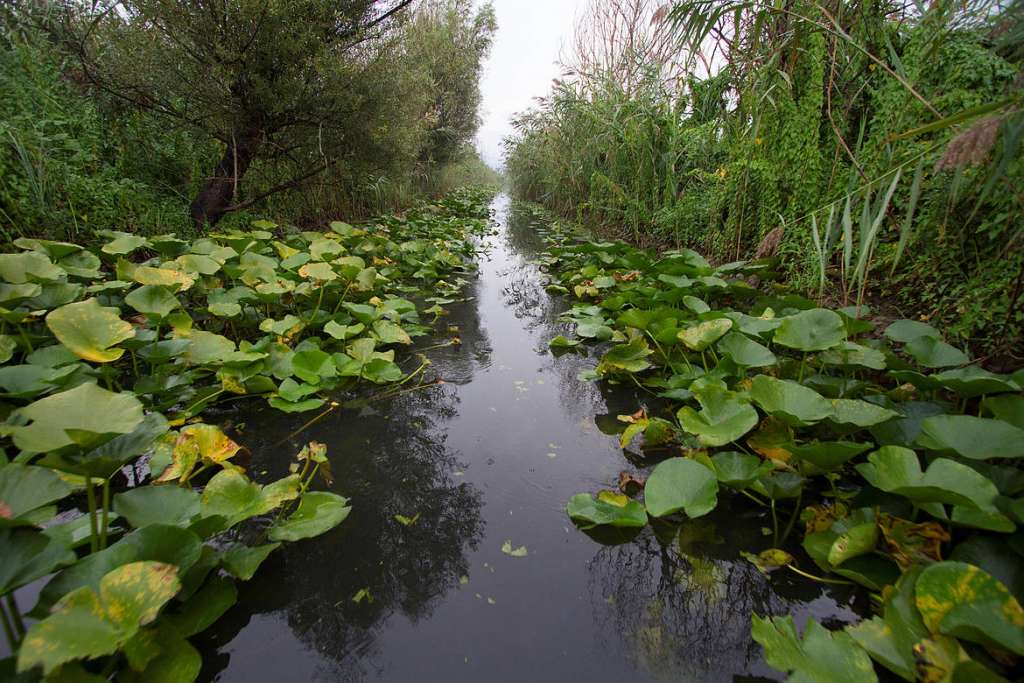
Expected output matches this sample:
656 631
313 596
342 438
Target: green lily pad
680 484
822 656
793 403
860 413
87 625
230 494
850 354
84 415
29 555
975 438
24 488
90 330
739 470
28 266
897 470
828 456
814 330
974 381
935 353
242 561
745 351
608 509
890 638
703 335
318 513
724 416
961 600
906 331
145 505
153 300
388 332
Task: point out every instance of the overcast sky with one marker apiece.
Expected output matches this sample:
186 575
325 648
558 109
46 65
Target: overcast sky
522 63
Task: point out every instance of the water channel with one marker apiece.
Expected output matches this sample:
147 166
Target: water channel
489 456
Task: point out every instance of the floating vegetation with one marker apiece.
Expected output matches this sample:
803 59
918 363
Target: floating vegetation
108 358
893 449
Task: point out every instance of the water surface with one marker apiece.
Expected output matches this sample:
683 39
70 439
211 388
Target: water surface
492 455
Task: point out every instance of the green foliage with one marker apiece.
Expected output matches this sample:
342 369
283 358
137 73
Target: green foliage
854 433
112 603
880 139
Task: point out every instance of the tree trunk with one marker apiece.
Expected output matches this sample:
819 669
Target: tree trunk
218 192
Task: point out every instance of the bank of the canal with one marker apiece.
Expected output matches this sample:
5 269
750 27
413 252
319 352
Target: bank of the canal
490 456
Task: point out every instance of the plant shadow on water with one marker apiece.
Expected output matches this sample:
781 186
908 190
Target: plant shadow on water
492 455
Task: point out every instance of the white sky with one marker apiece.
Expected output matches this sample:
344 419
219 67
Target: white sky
530 36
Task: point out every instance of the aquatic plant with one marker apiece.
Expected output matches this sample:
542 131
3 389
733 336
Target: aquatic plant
893 449
109 356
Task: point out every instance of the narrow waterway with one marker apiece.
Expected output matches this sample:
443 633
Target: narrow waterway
492 455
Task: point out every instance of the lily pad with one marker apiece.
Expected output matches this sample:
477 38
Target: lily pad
724 416
680 484
897 470
745 351
318 513
85 415
814 330
961 600
90 330
822 656
610 508
975 438
789 401
703 335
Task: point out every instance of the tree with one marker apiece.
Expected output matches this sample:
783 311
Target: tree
450 41
292 82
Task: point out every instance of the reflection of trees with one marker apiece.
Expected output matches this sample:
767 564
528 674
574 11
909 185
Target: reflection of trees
391 459
682 600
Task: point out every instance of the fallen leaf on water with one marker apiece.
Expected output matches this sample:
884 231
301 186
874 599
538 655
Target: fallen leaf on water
407 521
506 548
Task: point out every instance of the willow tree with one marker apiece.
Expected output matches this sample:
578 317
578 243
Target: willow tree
288 81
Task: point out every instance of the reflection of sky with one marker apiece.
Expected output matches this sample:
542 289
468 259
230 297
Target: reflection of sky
531 34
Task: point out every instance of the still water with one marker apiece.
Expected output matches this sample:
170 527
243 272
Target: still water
489 456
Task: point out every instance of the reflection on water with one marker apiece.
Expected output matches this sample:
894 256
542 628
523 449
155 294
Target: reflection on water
492 455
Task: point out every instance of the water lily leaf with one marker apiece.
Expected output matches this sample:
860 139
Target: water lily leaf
343 331
300 406
631 357
906 331
890 638
1008 408
145 505
313 366
769 560
124 243
609 509
24 488
703 335
814 330
975 438
935 353
828 456
388 332
724 417
203 608
86 625
8 345
207 348
28 266
318 272
29 555
849 354
739 470
964 601
175 280
860 413
90 330
194 444
790 402
86 414
153 300
12 295
507 548
773 440
242 561
593 328
230 494
822 656
173 659
745 351
895 469
680 484
974 381
318 513
562 342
